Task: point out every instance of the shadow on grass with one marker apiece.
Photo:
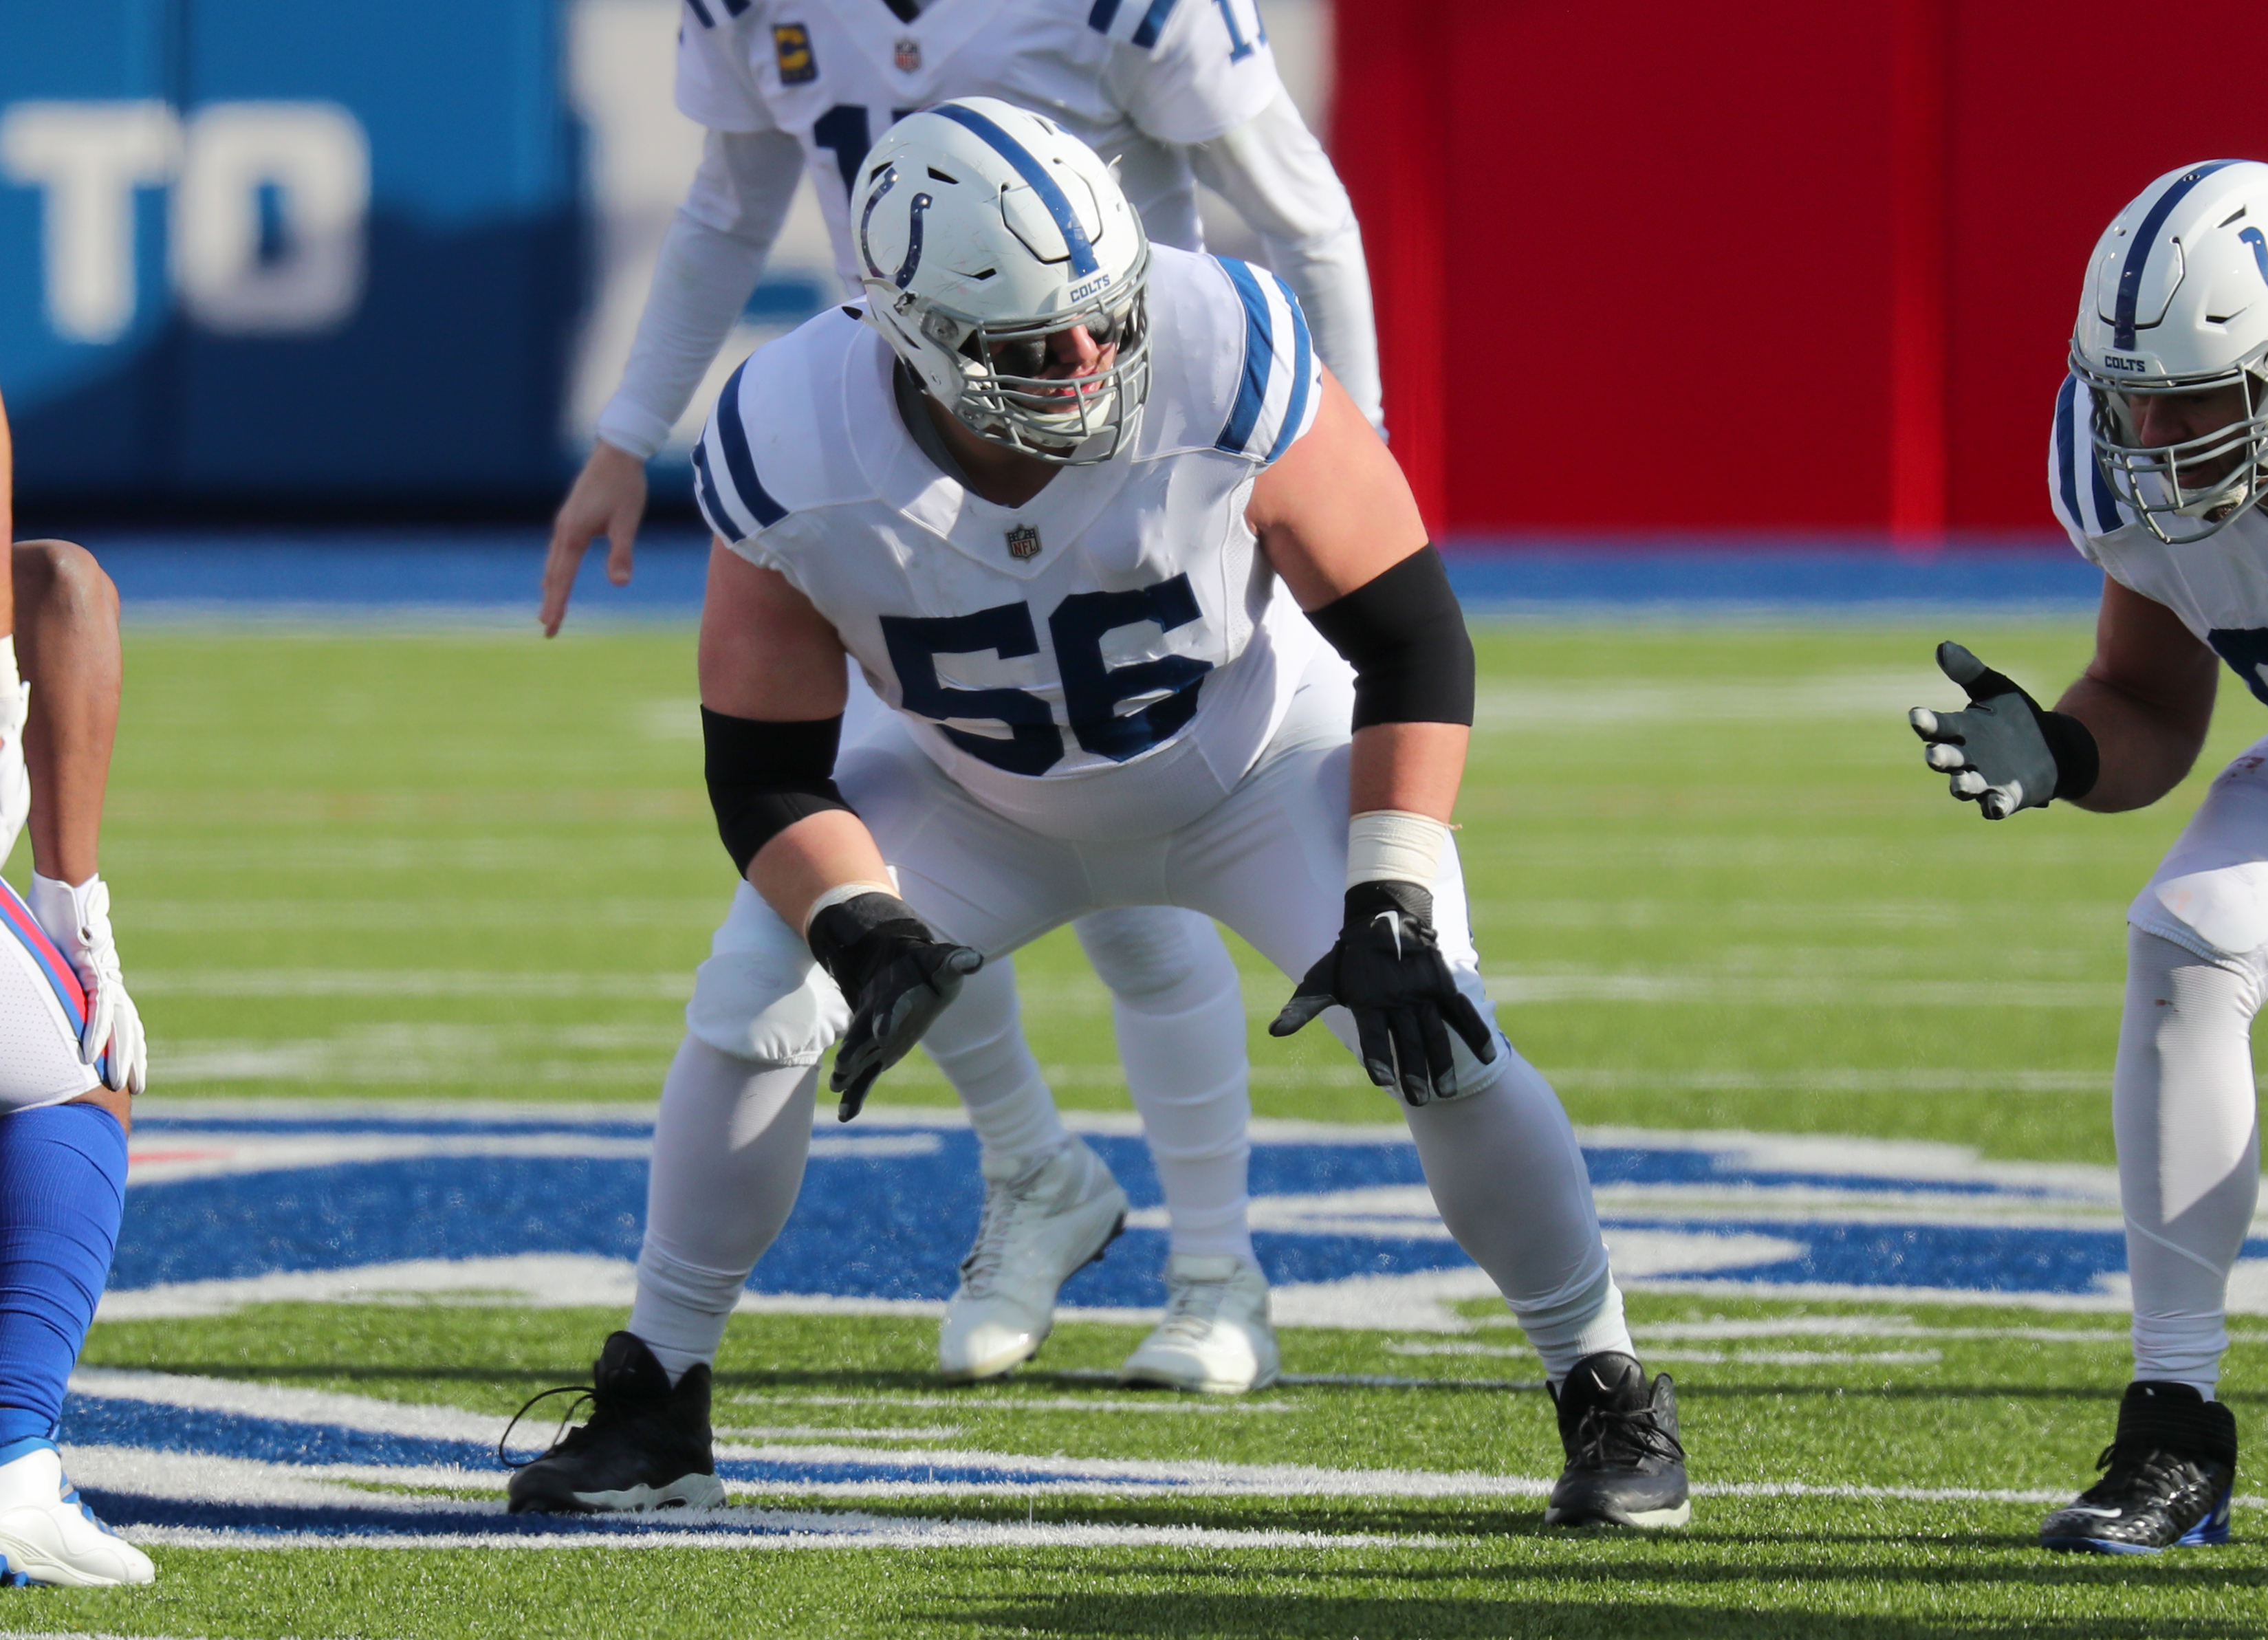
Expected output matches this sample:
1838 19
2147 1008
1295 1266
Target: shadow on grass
1290 1611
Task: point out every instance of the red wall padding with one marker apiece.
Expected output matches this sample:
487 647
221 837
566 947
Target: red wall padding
1643 265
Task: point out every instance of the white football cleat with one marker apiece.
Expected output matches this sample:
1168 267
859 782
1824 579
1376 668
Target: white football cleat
1038 1227
47 1535
1216 1338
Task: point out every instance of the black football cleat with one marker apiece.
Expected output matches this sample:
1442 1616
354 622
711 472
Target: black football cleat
2167 1479
1624 1465
645 1447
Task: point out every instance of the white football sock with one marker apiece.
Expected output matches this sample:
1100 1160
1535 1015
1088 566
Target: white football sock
979 1044
1180 1019
728 1156
2186 1114
1510 1183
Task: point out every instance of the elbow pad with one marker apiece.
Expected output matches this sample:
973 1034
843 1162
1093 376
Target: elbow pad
765 776
1404 635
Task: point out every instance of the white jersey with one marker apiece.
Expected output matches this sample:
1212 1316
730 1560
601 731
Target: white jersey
1133 79
2219 587
1107 660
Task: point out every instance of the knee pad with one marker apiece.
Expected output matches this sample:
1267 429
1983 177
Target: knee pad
1147 952
760 997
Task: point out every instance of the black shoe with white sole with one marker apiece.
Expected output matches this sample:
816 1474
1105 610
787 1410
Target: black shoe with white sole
1624 1465
2168 1477
645 1447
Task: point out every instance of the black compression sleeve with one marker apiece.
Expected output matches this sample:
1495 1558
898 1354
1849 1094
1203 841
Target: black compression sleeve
1405 637
765 776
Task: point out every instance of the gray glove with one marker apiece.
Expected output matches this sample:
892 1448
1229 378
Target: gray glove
2004 753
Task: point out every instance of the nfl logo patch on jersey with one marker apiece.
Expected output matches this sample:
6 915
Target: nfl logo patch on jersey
792 45
908 54
1023 542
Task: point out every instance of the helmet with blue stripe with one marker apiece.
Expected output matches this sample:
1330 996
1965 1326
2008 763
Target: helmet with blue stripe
2177 301
983 235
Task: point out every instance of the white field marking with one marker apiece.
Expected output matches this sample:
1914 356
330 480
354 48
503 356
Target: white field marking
1777 916
677 719
1576 708
841 1432
413 916
535 1281
331 856
1715 1358
1333 1380
1720 990
1848 1327
1838 1080
178 1150
896 1535
469 983
294 1406
962 1401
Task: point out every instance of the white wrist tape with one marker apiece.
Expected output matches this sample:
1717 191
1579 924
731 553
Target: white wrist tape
841 893
1391 845
11 680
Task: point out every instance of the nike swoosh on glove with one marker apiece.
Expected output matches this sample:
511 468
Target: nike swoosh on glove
897 975
78 921
1387 970
2004 753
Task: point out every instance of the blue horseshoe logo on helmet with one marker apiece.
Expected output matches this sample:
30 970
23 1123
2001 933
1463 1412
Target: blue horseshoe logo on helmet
2259 241
906 269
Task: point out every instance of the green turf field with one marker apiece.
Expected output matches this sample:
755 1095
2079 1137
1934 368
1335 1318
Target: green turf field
1714 888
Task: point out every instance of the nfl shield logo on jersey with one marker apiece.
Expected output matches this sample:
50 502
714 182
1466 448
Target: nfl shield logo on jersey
1023 542
908 54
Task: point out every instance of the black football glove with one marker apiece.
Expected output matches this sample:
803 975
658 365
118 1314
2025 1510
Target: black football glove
1388 971
897 976
2004 753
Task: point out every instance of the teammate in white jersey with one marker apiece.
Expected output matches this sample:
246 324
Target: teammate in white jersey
1056 492
1172 90
71 1052
2157 466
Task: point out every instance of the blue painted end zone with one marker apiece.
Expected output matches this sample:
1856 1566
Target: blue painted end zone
499 569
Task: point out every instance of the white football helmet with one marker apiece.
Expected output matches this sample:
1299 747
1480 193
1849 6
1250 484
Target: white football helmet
981 231
2177 301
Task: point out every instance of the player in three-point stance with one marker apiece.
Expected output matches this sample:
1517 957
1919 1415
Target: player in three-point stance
71 1052
2157 467
1060 494
1171 92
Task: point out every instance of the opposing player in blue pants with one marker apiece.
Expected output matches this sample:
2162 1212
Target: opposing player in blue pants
71 1052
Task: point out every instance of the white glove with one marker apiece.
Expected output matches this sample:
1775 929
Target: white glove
78 921
15 779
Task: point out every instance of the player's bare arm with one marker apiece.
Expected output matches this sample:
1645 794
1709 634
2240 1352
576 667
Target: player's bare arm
772 692
1336 519
59 624
2146 697
1333 515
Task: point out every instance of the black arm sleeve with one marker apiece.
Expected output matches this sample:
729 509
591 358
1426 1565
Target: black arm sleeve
765 776
1405 637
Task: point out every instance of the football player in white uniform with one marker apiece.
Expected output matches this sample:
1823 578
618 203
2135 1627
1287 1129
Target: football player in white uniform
1055 491
1172 90
2157 466
71 1053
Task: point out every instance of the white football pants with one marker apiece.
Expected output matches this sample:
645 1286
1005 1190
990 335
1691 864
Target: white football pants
41 1012
1269 860
2183 1102
1180 1018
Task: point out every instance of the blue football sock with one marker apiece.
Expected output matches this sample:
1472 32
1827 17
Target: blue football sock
62 1190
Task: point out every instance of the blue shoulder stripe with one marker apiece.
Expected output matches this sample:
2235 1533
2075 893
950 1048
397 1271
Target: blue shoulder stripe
733 439
705 492
1259 357
1027 166
1105 13
1295 411
2065 436
1152 23
702 12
